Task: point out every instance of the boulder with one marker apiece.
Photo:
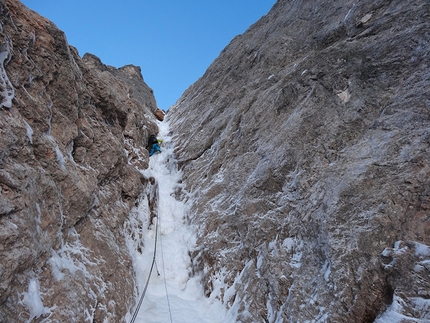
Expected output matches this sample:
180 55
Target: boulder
159 114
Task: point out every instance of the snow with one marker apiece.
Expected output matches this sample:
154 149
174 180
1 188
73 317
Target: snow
33 301
289 243
294 246
422 250
392 314
402 308
71 257
422 305
173 294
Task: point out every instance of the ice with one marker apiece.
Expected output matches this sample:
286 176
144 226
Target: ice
7 90
60 157
29 132
326 270
289 243
38 219
173 295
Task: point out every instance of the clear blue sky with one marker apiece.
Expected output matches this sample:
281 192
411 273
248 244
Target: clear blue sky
173 41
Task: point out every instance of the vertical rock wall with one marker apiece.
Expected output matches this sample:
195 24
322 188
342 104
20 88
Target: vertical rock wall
305 148
72 141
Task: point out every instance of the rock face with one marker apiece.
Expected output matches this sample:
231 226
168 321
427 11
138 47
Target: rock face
73 133
305 150
159 114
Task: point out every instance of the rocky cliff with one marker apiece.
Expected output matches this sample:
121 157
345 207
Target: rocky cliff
72 144
305 151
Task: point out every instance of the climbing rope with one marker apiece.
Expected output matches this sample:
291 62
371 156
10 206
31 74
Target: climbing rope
165 282
149 276
150 272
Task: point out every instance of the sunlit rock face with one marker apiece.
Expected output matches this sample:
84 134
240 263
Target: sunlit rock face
305 150
73 133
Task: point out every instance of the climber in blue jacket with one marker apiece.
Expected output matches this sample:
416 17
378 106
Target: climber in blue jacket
153 143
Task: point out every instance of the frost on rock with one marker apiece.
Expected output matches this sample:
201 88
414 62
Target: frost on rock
74 266
72 257
6 88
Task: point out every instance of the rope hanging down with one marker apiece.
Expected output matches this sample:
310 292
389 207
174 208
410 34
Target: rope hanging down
165 282
149 276
150 272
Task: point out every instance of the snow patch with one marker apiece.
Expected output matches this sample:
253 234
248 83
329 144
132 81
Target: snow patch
33 301
289 243
345 96
421 250
405 308
392 314
294 246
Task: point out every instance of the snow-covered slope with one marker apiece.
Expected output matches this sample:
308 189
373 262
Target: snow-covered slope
174 293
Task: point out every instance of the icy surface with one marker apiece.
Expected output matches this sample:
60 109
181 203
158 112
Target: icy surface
172 296
29 132
6 88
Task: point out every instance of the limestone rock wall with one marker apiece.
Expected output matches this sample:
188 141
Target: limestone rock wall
305 150
72 141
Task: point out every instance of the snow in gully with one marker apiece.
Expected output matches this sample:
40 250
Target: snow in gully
173 294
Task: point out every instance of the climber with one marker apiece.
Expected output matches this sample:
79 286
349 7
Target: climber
154 145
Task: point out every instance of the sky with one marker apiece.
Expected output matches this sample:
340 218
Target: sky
173 41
